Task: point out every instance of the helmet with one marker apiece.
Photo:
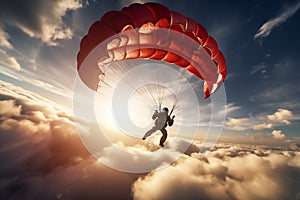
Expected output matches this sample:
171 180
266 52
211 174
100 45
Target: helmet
166 109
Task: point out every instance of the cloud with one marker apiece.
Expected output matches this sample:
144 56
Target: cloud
141 156
230 108
9 61
39 19
41 84
8 108
237 124
4 40
42 156
228 172
9 90
262 126
257 136
277 134
40 147
267 27
281 115
37 128
33 78
283 96
9 74
223 110
274 93
261 70
124 3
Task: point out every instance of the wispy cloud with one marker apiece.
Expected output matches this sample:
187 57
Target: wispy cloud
261 67
9 61
34 79
238 124
4 40
124 3
260 70
267 27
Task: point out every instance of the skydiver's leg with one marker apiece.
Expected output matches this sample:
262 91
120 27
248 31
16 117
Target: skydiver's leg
148 133
163 137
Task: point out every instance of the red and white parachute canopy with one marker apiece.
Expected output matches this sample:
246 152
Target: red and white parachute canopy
125 35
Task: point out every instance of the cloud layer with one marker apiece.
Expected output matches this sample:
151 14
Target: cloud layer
42 156
229 172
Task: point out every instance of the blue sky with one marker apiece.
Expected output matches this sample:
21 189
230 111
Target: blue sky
259 40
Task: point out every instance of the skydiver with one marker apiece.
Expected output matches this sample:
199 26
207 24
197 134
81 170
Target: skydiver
162 120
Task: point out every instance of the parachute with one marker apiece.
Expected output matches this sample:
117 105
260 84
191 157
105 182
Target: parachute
150 31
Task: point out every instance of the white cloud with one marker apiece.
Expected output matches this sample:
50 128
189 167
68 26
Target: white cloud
228 172
143 156
267 27
4 40
223 110
277 134
8 108
40 147
260 122
124 3
281 116
34 79
9 61
42 19
230 108
237 124
33 127
10 74
10 90
262 126
41 84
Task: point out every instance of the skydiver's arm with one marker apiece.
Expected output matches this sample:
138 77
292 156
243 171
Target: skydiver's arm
171 112
154 116
159 107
